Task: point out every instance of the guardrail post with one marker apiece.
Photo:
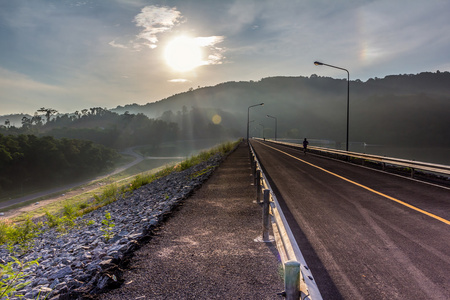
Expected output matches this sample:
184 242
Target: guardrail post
254 167
412 172
266 221
258 186
292 279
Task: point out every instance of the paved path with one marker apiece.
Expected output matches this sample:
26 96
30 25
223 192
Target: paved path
206 250
365 234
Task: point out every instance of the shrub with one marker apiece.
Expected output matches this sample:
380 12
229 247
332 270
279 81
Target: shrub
12 275
4 229
83 205
69 211
22 235
110 192
52 221
107 226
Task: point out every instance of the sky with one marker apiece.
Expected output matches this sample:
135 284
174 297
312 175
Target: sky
72 55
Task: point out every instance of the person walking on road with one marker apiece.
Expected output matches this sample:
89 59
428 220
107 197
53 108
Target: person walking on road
305 145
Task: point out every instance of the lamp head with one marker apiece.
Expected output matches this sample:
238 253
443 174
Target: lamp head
318 63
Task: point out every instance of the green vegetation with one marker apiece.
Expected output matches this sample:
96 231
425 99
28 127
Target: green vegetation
22 234
186 164
107 226
23 230
201 172
97 125
32 161
12 277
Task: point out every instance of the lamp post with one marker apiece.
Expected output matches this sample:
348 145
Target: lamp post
262 126
248 117
275 125
317 63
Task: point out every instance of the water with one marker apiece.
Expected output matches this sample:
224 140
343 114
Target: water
436 155
184 148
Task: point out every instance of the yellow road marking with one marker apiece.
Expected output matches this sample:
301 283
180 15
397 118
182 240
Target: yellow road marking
364 187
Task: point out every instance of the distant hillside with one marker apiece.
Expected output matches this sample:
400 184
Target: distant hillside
14 119
396 110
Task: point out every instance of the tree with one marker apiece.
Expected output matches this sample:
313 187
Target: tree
36 119
48 112
26 122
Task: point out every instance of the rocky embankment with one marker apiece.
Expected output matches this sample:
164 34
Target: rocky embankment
83 262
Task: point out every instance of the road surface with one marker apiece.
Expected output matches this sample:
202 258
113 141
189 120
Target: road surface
365 234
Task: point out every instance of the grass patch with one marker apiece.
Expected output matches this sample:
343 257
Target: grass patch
202 172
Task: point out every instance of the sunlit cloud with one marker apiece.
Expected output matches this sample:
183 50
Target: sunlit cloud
155 20
209 40
116 45
215 55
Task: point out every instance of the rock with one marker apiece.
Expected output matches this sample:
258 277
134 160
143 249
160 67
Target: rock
74 263
106 281
106 264
61 273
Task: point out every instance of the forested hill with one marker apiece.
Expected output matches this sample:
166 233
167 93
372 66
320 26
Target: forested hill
27 160
397 109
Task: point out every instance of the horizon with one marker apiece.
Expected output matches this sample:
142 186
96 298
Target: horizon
212 86
74 55
231 81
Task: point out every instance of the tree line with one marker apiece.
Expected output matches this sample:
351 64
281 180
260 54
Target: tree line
52 147
26 159
98 125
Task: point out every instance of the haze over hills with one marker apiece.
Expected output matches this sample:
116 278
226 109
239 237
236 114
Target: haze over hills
400 110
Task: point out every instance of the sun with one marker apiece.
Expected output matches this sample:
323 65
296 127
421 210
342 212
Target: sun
183 54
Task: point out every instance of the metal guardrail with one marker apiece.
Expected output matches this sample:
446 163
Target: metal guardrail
413 165
298 279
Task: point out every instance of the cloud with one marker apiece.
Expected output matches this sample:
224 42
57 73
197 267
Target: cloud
209 41
215 55
115 45
155 20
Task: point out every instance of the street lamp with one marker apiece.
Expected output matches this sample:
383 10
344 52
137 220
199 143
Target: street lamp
275 125
317 63
262 130
248 116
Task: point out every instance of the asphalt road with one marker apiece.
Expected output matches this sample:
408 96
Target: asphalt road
365 234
